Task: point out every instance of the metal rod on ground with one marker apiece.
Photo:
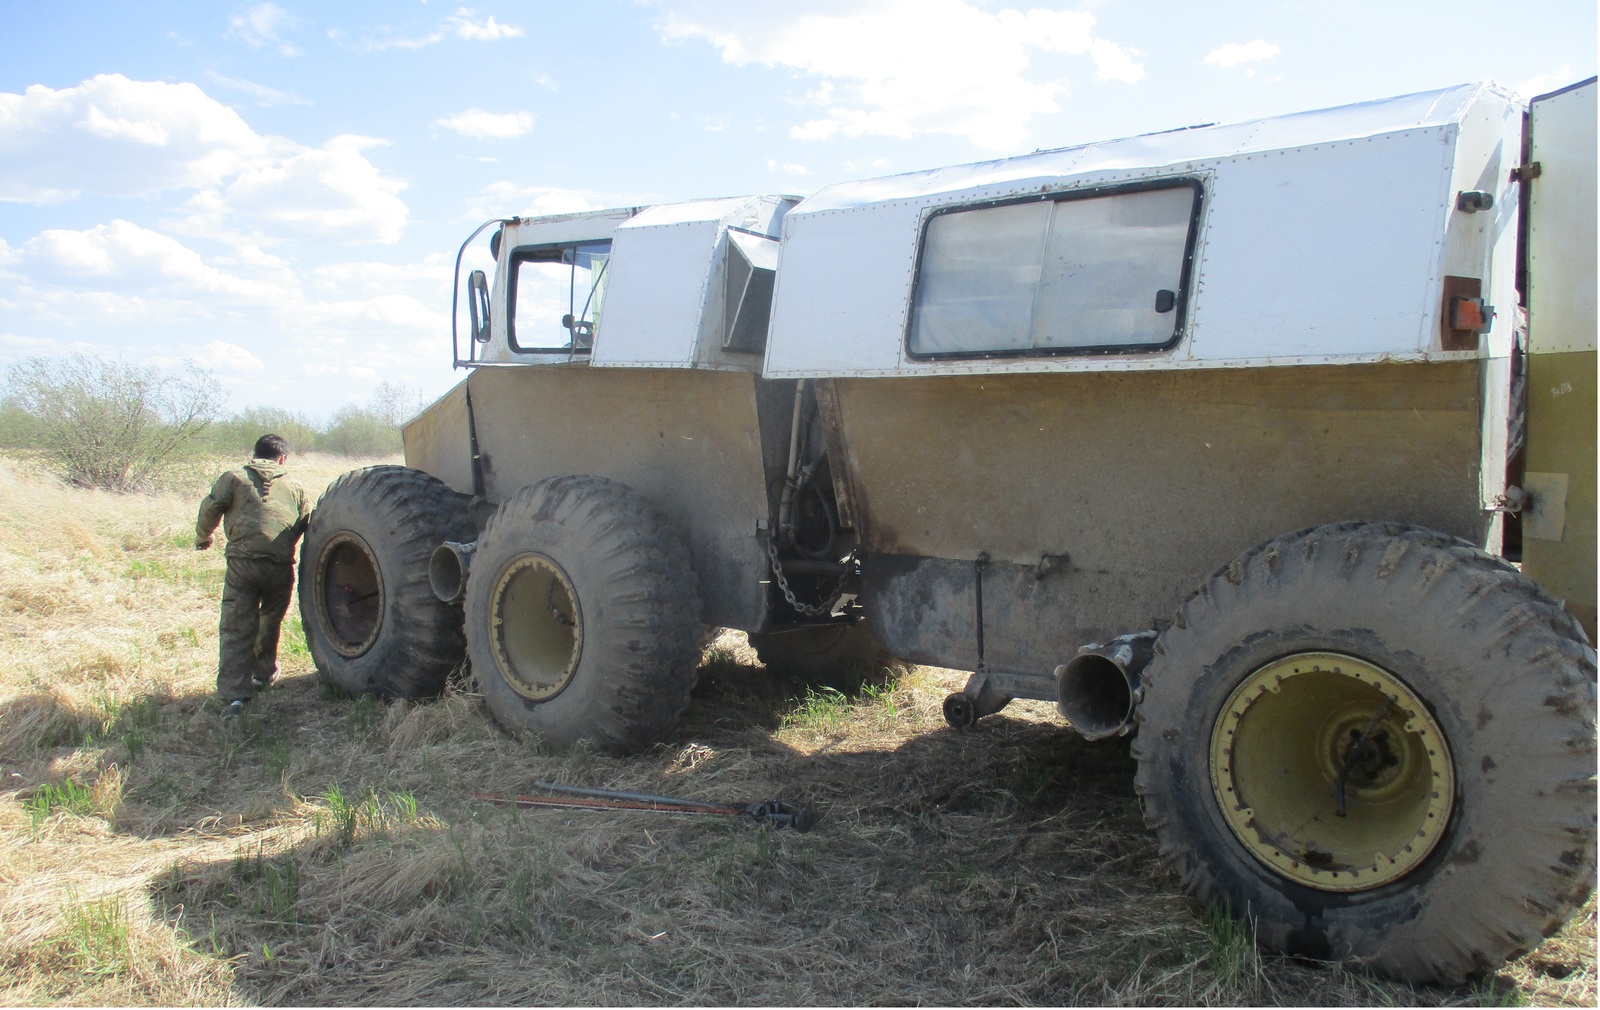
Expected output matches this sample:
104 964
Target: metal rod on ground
772 812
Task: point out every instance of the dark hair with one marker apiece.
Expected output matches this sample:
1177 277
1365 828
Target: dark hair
271 447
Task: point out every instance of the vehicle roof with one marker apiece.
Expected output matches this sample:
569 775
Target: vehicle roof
1173 147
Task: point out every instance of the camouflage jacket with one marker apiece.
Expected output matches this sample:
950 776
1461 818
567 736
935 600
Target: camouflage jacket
262 509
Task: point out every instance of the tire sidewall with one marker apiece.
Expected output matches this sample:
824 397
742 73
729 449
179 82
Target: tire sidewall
1266 895
634 589
400 514
357 674
553 718
1497 667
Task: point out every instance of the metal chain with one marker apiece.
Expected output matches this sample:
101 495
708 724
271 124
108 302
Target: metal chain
788 594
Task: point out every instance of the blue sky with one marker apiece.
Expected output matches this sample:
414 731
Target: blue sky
275 191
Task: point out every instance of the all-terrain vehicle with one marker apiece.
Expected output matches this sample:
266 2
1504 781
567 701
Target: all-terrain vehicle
1225 437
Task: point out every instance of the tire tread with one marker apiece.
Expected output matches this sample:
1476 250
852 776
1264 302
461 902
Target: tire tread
1548 667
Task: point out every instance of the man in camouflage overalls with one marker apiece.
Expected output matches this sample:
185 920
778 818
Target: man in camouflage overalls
263 512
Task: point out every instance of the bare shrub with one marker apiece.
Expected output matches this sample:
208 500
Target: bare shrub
394 402
108 424
372 430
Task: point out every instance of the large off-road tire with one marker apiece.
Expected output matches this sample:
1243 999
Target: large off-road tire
370 618
830 655
582 615
1453 695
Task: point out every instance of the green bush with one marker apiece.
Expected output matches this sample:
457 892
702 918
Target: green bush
236 436
16 425
125 427
107 424
360 431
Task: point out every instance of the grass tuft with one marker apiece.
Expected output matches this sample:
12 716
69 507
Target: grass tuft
1234 956
823 710
96 936
65 796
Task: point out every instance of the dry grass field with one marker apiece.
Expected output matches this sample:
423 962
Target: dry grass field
326 850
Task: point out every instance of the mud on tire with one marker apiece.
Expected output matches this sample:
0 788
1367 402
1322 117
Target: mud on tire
370 618
1503 677
582 615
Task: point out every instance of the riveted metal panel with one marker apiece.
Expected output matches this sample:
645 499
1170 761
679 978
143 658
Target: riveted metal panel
1144 482
1301 258
1561 361
438 440
690 440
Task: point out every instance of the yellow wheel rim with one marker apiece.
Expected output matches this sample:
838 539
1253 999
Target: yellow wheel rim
536 627
1331 771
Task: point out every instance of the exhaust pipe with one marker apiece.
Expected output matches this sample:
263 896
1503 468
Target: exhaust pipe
1099 690
447 570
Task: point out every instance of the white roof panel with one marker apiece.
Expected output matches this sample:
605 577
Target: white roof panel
1322 236
1156 150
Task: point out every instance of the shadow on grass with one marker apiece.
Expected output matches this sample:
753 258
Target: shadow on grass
1006 863
940 869
735 695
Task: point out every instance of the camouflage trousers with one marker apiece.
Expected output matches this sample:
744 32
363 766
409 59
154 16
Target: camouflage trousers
255 596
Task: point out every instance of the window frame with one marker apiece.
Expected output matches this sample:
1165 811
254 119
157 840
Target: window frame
1180 307
530 254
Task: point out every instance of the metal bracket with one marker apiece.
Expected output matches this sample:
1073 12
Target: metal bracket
1511 503
1049 564
979 698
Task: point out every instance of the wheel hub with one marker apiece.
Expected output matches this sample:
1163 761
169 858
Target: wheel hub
536 627
1331 771
349 594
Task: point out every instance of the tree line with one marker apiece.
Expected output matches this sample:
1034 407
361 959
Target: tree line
127 427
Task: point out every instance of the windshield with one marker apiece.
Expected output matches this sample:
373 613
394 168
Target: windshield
556 296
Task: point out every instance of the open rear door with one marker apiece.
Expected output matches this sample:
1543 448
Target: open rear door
1558 526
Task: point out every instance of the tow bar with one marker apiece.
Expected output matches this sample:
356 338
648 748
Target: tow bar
779 815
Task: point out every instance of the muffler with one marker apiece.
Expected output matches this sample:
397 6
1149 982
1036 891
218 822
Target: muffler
1099 690
447 570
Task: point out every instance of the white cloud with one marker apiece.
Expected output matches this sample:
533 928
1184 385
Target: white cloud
481 125
867 165
505 199
463 24
1116 63
121 272
787 169
263 26
246 314
116 137
20 342
125 257
1237 53
466 27
1542 84
332 192
903 68
368 279
217 356
265 96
